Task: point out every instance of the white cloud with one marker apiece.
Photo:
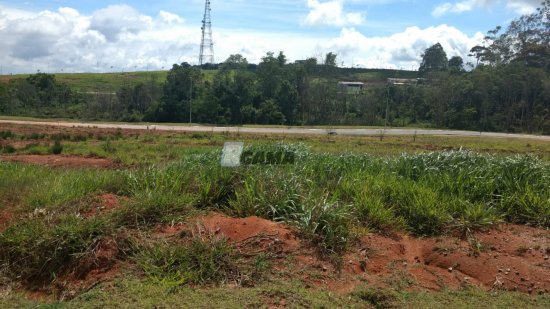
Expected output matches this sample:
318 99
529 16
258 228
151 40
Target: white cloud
400 50
52 41
519 6
523 6
331 13
116 20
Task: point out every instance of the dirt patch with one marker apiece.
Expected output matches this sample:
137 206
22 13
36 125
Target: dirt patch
16 143
103 203
61 161
240 231
489 260
6 218
101 264
510 257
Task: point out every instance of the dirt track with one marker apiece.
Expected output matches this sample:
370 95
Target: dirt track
278 130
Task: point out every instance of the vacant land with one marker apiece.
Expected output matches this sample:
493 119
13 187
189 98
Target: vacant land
103 217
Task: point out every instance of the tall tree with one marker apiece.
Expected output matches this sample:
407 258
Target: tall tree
456 64
178 92
434 59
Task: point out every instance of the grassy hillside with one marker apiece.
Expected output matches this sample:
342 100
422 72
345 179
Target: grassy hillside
105 82
92 82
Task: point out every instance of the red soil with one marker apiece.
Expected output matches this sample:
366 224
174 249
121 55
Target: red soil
5 219
61 161
101 265
510 257
243 232
103 203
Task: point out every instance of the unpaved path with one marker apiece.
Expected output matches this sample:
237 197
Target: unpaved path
278 130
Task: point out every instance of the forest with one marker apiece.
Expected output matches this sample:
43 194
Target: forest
507 89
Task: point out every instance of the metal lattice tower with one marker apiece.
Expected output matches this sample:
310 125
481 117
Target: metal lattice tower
207 44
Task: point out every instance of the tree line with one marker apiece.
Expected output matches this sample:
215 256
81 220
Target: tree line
507 89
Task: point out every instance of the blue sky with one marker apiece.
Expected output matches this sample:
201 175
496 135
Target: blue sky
96 35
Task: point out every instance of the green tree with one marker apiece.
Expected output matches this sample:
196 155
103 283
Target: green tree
178 91
270 73
330 59
456 64
288 101
434 59
234 62
269 113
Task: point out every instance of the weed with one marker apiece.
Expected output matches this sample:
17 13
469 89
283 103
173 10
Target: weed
57 148
108 147
476 217
326 224
147 209
7 134
36 251
377 297
204 259
199 135
7 149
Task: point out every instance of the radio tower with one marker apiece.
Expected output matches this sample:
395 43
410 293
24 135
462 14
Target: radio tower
207 45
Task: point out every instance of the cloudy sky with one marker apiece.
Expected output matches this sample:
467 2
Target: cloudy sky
128 35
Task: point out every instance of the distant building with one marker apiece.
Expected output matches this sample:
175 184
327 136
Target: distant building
351 87
404 81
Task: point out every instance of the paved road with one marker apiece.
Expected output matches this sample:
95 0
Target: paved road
278 130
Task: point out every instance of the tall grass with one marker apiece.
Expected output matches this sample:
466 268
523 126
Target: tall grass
204 259
324 196
37 250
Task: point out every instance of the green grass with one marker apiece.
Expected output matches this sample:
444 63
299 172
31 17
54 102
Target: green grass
329 195
205 259
323 195
110 82
135 293
35 251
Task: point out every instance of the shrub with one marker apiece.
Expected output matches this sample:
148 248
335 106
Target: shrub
204 259
6 134
108 147
7 149
57 148
35 251
151 208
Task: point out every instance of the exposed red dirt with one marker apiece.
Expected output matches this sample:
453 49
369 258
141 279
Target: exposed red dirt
61 161
241 231
100 265
6 218
490 260
102 204
16 144
510 257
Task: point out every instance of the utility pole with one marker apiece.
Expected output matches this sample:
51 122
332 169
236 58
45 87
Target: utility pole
387 107
190 96
207 44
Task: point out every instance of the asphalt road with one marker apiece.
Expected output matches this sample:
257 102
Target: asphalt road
280 130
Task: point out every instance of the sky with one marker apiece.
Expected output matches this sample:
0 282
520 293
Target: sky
129 35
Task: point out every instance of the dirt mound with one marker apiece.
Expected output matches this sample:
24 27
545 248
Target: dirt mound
241 231
102 204
61 161
99 265
5 219
510 257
